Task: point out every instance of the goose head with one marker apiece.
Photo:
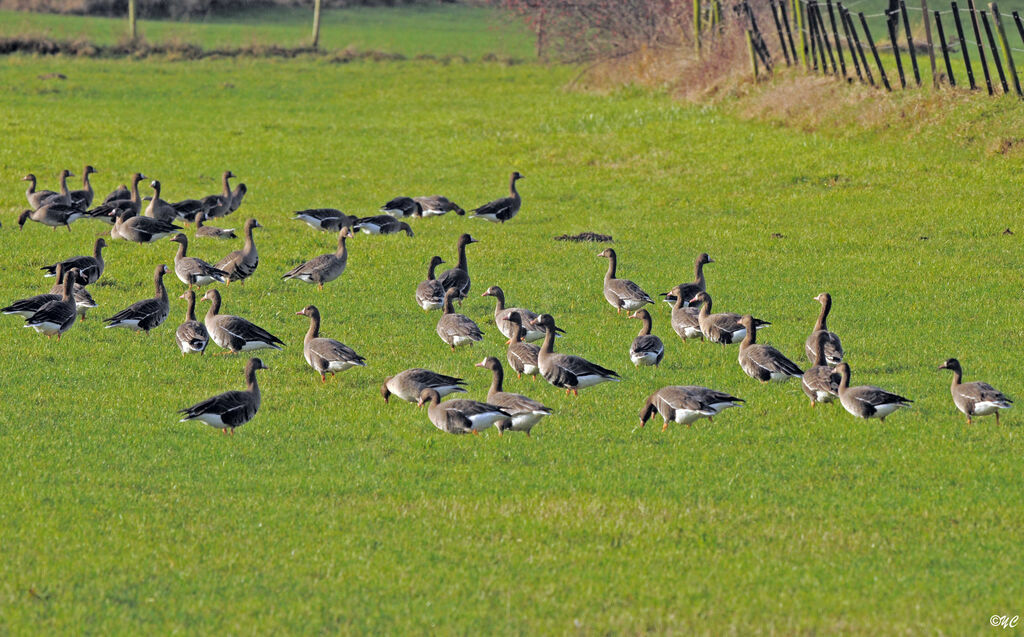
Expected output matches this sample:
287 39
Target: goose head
952 364
699 298
428 395
490 363
607 253
22 218
310 311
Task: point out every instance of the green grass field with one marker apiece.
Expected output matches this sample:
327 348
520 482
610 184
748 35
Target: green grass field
332 512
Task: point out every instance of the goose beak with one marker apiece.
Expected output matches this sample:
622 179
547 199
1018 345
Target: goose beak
480 364
183 295
711 260
559 330
300 314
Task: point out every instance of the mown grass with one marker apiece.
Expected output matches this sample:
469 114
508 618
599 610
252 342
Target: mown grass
333 512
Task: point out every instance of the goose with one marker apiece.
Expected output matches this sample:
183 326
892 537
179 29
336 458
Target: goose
56 317
685 318
977 398
187 210
401 207
622 294
562 370
89 268
158 208
28 306
131 227
231 409
234 333
326 355
237 195
501 314
324 268
833 348
821 382
685 404
501 210
83 300
690 290
110 209
725 327
241 264
430 293
82 199
212 232
867 401
192 271
647 349
460 416
146 314
39 198
382 224
764 362
409 384
51 214
326 219
121 192
219 205
525 412
457 278
436 205
457 329
521 356
191 335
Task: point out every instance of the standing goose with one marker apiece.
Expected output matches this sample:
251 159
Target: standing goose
326 355
187 210
241 264
977 398
623 294
764 362
192 271
457 278
110 209
89 268
56 317
326 219
82 199
131 227
158 208
219 205
237 195
685 404
562 370
685 318
39 198
833 348
436 205
234 333
324 268
501 314
430 293
121 192
28 306
212 232
51 214
724 328
501 210
382 224
525 412
230 409
460 416
83 300
521 356
191 335
408 385
647 349
690 290
401 207
867 401
147 314
821 382
457 329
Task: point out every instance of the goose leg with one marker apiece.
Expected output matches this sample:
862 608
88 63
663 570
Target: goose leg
997 418
665 426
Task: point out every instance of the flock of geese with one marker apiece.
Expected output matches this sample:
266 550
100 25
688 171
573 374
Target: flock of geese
55 312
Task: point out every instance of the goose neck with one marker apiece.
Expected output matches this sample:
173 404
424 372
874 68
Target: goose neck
646 329
227 186
314 327
496 381
749 338
190 312
821 324
462 258
430 270
958 376
549 341
612 262
214 306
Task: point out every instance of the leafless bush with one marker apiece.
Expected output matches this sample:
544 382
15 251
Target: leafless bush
181 8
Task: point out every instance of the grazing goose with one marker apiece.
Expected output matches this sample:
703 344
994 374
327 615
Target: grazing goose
82 199
326 355
401 207
408 385
39 198
867 401
240 264
724 328
147 314
457 278
51 214
56 317
833 348
230 409
685 404
234 333
382 224
430 293
192 271
89 268
685 318
121 192
219 205
460 416
158 208
457 329
324 268
237 195
436 205
623 294
326 219
690 290
191 335
521 356
501 314
110 209
212 232
764 362
525 412
562 370
977 398
131 227
647 349
501 210
821 382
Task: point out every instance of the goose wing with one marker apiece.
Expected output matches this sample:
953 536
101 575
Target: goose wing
626 290
515 404
234 408
331 350
452 325
772 360
876 396
245 330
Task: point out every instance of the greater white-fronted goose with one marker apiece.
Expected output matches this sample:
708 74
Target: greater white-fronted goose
685 318
230 409
977 398
219 205
563 370
324 268
690 290
83 300
525 412
460 416
158 208
521 356
110 209
192 271
187 209
501 210
326 219
723 328
408 385
89 268
867 401
457 278
234 333
430 293
51 214
436 205
326 355
647 349
764 362
240 264
56 317
401 207
622 294
237 195
821 382
82 199
212 232
501 314
382 224
457 329
142 316
132 227
686 404
121 192
191 335
39 198
28 306
833 348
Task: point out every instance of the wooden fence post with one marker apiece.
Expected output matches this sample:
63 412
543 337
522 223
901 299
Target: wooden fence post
789 32
782 36
963 45
856 39
849 41
798 15
753 55
696 26
995 52
835 36
981 47
1007 51
891 26
910 40
874 51
316 24
945 50
928 38
824 38
132 31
